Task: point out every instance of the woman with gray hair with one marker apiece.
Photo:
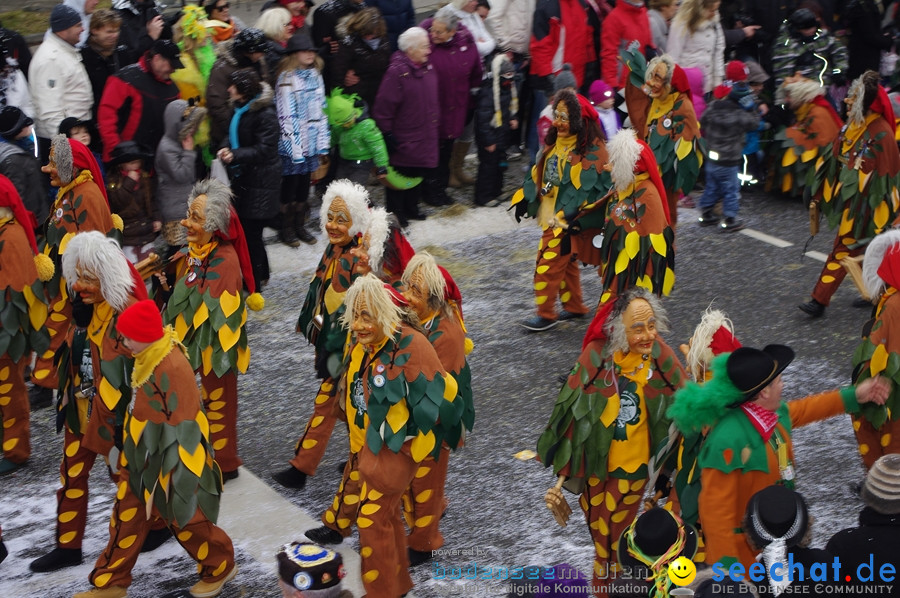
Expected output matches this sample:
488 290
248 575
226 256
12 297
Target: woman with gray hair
408 113
458 65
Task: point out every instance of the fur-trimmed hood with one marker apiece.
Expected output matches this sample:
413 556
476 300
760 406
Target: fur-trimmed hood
179 125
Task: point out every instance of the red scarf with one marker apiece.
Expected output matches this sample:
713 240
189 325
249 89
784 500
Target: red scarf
762 419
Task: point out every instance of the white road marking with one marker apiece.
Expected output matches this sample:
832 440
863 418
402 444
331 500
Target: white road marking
755 234
817 255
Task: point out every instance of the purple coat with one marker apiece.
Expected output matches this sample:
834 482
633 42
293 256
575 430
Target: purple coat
459 70
408 113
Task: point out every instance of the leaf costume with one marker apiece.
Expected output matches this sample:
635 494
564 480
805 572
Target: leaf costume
208 311
608 421
167 471
561 183
669 126
23 313
857 183
804 144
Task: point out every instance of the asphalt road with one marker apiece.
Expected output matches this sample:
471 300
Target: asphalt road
496 516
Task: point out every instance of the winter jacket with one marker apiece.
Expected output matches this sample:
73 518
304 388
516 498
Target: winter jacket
877 535
362 141
217 99
135 16
483 38
561 23
510 21
823 55
60 86
399 16
14 91
724 124
100 68
407 111
132 108
17 48
625 24
326 16
24 170
175 166
866 39
486 133
368 64
459 71
256 170
300 105
274 55
659 29
704 49
133 201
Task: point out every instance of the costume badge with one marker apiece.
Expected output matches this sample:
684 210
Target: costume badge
302 581
379 368
378 380
59 213
629 408
597 241
464 48
51 83
192 276
667 123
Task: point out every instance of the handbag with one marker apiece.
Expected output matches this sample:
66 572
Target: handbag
218 171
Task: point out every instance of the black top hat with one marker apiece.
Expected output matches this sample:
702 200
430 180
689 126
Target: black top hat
70 122
298 43
776 512
12 121
127 151
168 50
654 533
751 370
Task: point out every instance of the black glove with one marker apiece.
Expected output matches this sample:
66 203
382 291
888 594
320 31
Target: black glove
520 209
119 436
663 483
81 312
390 142
322 365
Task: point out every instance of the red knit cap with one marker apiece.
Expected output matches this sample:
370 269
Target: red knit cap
141 322
736 71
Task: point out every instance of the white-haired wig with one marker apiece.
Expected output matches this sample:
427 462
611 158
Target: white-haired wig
370 289
657 60
425 264
699 354
803 91
218 204
379 229
357 199
874 284
101 256
615 325
624 152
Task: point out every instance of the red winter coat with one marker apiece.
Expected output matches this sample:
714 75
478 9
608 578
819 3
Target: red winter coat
623 25
551 17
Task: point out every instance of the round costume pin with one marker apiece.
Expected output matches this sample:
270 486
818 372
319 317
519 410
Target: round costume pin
192 277
379 368
667 123
302 581
378 380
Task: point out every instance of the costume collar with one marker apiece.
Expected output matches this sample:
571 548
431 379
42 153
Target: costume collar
102 316
201 252
884 297
659 108
803 111
762 419
83 177
638 179
855 130
146 361
566 143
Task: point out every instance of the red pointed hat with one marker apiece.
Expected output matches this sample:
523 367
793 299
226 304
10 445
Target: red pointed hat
141 322
9 198
236 236
647 163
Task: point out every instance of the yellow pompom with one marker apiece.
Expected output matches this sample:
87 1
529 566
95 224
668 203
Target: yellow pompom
468 345
44 267
256 302
117 222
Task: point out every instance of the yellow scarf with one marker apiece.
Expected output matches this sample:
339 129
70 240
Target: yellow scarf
638 179
803 112
884 297
83 177
659 108
6 220
855 130
200 252
147 360
630 364
103 315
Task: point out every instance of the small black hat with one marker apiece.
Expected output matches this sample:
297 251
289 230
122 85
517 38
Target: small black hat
310 567
63 17
12 121
653 534
298 43
249 41
247 83
776 512
70 122
168 50
751 370
804 18
127 151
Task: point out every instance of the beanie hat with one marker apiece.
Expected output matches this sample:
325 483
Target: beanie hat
62 17
70 122
12 121
341 108
756 73
881 490
250 40
736 71
312 569
600 91
246 82
141 322
564 78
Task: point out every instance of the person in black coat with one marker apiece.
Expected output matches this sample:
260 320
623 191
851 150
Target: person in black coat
102 54
863 19
399 16
877 537
250 151
142 24
363 55
324 30
495 117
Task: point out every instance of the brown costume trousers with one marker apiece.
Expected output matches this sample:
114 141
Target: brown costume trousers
423 503
128 527
382 536
556 275
45 373
609 506
72 497
220 398
311 446
873 442
833 273
341 515
15 409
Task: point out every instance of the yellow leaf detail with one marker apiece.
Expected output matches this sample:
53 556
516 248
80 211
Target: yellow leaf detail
621 262
200 315
879 360
575 175
397 416
789 157
658 241
228 337
451 388
229 303
809 154
421 446
195 461
683 148
135 429
109 394
668 282
632 244
880 216
181 327
518 196
243 359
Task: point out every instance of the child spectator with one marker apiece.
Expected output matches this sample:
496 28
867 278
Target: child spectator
360 143
306 570
495 117
176 166
19 162
601 96
80 130
131 197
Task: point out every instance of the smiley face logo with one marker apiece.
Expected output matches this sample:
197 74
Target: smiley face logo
682 571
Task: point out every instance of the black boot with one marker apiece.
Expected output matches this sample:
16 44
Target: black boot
3 551
708 218
290 478
813 308
155 538
417 557
341 467
302 210
40 397
285 228
58 558
324 535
